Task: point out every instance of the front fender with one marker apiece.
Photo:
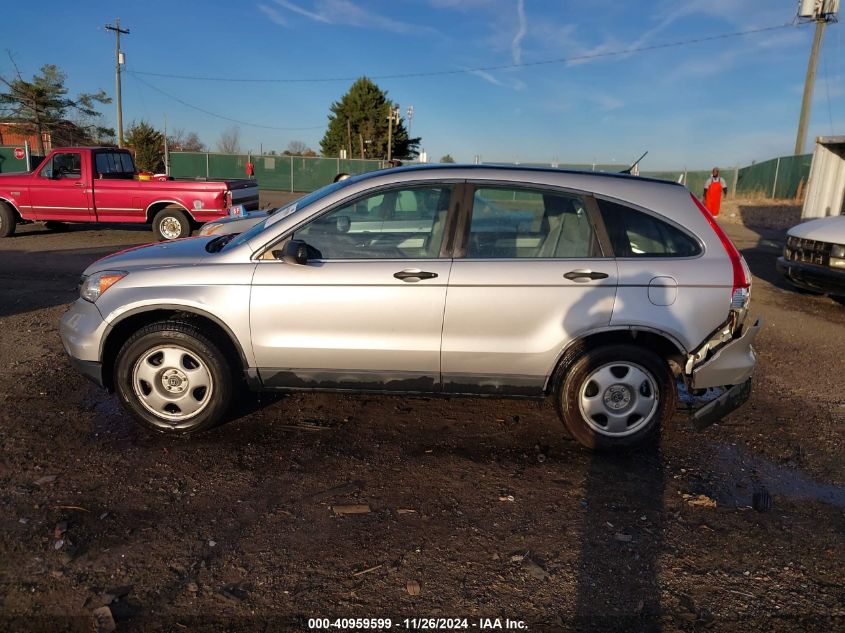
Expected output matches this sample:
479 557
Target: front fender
227 306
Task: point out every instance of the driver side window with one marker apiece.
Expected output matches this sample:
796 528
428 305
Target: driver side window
407 223
65 166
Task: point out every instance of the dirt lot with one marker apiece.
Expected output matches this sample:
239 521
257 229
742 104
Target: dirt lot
487 505
761 212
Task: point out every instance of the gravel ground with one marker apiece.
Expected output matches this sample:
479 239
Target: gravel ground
476 508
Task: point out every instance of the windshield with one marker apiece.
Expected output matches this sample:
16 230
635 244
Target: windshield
283 212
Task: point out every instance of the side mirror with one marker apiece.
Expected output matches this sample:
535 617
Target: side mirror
295 252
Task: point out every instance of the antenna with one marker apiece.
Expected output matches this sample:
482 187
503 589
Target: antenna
634 164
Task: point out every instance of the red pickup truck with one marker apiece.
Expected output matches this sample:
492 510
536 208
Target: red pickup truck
99 184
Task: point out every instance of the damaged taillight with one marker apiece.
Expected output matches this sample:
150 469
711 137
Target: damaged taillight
741 274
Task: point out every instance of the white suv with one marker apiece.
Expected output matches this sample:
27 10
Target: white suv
605 292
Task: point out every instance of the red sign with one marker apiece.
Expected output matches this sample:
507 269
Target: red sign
19 154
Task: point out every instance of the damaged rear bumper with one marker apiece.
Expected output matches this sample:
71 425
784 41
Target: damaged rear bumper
717 409
727 370
731 364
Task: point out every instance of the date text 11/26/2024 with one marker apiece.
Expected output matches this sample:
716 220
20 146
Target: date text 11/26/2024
415 624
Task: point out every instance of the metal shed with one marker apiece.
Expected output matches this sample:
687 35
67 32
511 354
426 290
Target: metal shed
826 185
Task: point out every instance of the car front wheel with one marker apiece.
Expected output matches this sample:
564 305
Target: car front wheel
616 396
173 379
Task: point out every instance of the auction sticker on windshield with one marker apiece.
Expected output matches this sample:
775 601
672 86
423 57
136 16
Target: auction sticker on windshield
281 215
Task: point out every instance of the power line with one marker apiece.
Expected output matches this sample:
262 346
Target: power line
435 73
214 114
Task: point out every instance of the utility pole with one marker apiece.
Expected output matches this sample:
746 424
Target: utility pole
166 149
821 12
410 112
118 58
392 116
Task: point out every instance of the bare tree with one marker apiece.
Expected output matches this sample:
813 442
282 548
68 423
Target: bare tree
297 148
230 141
182 141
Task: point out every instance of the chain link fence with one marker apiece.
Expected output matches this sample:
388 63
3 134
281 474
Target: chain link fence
782 178
282 173
779 178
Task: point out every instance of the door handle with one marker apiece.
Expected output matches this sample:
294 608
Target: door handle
412 275
79 184
584 274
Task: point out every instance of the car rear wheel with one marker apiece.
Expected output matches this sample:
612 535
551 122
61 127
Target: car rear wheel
8 221
173 379
171 224
616 396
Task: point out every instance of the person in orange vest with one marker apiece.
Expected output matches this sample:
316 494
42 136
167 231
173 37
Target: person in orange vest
714 188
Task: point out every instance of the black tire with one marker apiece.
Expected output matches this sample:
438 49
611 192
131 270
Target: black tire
582 382
58 227
194 350
171 223
8 220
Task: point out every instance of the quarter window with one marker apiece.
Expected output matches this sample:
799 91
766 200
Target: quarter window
637 234
406 223
522 223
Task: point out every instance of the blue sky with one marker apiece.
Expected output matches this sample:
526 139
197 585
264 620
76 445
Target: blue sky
722 102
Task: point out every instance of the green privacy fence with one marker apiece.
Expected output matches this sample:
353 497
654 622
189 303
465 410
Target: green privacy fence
783 177
286 173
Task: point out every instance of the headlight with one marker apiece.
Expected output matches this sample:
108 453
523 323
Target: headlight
837 250
211 228
94 286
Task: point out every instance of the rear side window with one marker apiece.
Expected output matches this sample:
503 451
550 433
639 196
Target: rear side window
114 164
637 234
526 223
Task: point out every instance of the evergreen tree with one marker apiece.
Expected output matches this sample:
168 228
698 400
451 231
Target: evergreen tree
361 116
148 144
447 158
42 105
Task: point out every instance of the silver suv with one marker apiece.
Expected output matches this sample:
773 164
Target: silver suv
609 293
